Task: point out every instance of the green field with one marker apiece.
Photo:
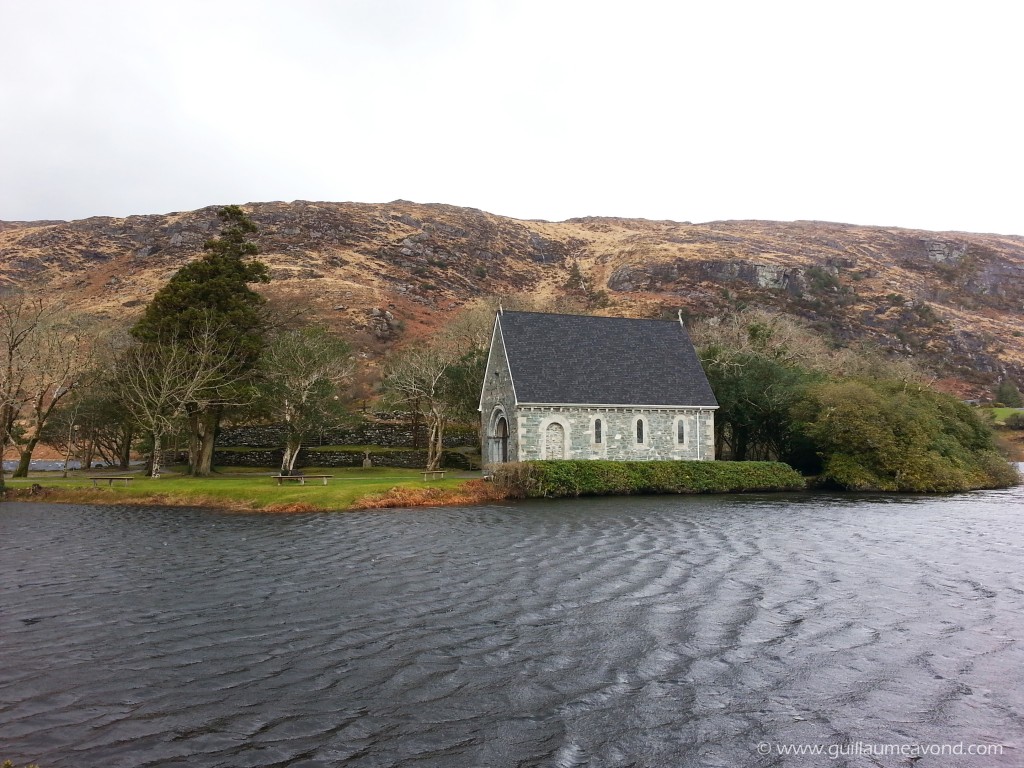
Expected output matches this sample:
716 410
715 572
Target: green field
237 488
1000 414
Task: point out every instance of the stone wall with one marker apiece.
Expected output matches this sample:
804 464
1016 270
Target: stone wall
498 398
383 434
541 428
271 459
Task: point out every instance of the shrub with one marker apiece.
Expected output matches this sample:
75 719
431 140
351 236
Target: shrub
513 479
889 436
618 478
1014 421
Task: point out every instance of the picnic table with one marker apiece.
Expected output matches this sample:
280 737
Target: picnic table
300 478
434 474
110 479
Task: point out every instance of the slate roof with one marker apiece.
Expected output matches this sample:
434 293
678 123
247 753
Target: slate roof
574 359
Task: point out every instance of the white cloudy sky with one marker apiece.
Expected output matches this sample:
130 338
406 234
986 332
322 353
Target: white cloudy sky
896 113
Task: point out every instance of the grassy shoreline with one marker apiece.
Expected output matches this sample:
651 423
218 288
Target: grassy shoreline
355 488
238 489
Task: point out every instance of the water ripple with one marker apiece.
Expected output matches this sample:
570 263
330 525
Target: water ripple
639 632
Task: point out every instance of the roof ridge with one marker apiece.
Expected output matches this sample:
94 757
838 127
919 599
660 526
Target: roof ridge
588 317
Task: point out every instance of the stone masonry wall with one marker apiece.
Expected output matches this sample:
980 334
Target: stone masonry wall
271 459
497 392
618 438
383 434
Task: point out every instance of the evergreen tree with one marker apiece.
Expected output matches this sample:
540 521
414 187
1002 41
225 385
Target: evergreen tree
212 295
1008 394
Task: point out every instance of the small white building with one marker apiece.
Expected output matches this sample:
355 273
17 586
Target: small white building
580 387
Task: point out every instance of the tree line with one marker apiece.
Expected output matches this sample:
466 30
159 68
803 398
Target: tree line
852 418
208 346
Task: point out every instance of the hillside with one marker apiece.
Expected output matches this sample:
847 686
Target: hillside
385 273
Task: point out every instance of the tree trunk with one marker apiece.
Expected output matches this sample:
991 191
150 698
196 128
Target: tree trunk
6 419
87 455
291 454
739 445
124 458
431 449
439 445
202 434
435 441
155 471
26 458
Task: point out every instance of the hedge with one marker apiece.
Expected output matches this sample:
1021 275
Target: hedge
535 479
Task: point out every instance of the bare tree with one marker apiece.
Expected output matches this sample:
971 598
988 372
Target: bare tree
416 378
62 355
781 338
22 316
156 382
91 423
303 372
442 379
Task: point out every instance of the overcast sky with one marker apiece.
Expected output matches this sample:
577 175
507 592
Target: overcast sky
892 113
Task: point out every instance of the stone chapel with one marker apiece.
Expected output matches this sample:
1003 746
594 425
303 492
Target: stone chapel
580 387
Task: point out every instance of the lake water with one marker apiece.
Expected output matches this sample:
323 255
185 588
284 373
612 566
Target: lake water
659 631
43 465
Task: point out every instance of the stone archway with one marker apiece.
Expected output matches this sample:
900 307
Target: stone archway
501 439
497 437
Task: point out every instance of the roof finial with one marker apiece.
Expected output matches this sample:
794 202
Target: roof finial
501 310
681 318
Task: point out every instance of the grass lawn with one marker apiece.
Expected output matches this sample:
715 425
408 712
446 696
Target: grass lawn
238 488
1000 414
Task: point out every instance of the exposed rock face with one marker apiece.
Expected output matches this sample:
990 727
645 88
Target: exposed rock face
387 273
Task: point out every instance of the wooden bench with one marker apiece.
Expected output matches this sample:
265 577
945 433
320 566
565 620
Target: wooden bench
110 479
434 474
301 478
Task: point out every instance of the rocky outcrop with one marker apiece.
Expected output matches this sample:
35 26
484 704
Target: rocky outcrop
386 274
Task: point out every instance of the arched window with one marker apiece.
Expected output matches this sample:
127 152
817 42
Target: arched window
640 431
597 430
681 432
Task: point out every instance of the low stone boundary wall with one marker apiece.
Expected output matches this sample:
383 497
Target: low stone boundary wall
311 457
383 434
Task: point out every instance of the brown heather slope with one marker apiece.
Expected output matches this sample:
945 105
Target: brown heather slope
385 273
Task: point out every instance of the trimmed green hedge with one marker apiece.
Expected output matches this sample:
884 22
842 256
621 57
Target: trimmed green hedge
535 479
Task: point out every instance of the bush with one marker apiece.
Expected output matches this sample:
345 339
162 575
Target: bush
617 478
1014 421
889 436
513 479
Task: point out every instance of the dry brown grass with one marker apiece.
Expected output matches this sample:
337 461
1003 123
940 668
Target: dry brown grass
1012 441
473 492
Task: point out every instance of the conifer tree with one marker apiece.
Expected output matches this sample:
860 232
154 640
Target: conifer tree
1008 394
213 292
